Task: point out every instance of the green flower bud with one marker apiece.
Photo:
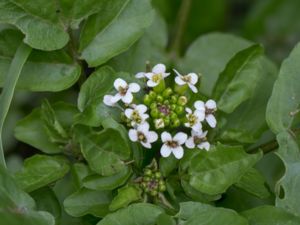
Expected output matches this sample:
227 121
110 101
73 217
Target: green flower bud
147 172
173 116
161 182
159 98
175 123
166 120
162 188
157 175
167 92
182 100
173 99
147 100
153 193
179 110
162 115
146 178
152 95
153 105
166 102
143 184
173 107
154 113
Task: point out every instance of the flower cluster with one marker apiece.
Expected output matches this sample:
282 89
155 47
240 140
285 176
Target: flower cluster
165 110
152 182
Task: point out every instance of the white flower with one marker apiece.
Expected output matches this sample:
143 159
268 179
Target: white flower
172 145
207 109
137 115
198 139
190 79
143 135
194 119
158 73
124 92
159 123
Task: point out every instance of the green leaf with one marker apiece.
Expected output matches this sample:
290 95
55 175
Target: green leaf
87 201
46 200
288 194
165 219
79 172
247 122
140 213
284 103
40 170
42 28
167 165
16 206
43 71
195 213
209 55
267 215
97 182
254 183
151 47
114 29
105 155
214 171
238 81
125 196
32 131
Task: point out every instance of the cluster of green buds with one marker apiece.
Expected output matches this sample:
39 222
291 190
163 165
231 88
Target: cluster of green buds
152 182
166 108
163 110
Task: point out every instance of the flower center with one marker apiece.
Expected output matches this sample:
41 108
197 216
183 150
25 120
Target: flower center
164 109
172 144
209 111
122 90
157 77
141 137
135 116
186 78
199 140
192 119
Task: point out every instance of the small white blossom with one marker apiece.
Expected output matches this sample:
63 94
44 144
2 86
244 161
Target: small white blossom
198 139
207 109
190 79
159 123
172 145
158 73
137 115
143 135
194 119
124 92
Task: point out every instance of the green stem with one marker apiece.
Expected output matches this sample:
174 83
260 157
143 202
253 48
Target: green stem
181 25
10 82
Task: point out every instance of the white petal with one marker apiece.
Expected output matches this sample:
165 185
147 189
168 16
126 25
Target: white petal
133 135
127 98
144 127
166 136
179 81
187 124
204 145
152 136
149 75
165 151
193 88
128 113
195 133
178 152
159 68
190 142
188 110
199 105
146 144
178 74
194 78
165 75
144 116
120 83
107 100
134 87
159 123
116 98
203 134
200 115
180 137
197 127
211 120
140 75
211 104
141 108
151 83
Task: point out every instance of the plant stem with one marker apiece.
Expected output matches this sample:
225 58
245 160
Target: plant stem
181 22
10 82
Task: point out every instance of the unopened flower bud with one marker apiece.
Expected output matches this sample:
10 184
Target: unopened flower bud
152 95
167 92
182 100
159 123
147 100
154 113
173 99
179 109
159 98
175 123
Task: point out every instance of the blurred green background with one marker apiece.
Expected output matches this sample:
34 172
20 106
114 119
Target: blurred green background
273 23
